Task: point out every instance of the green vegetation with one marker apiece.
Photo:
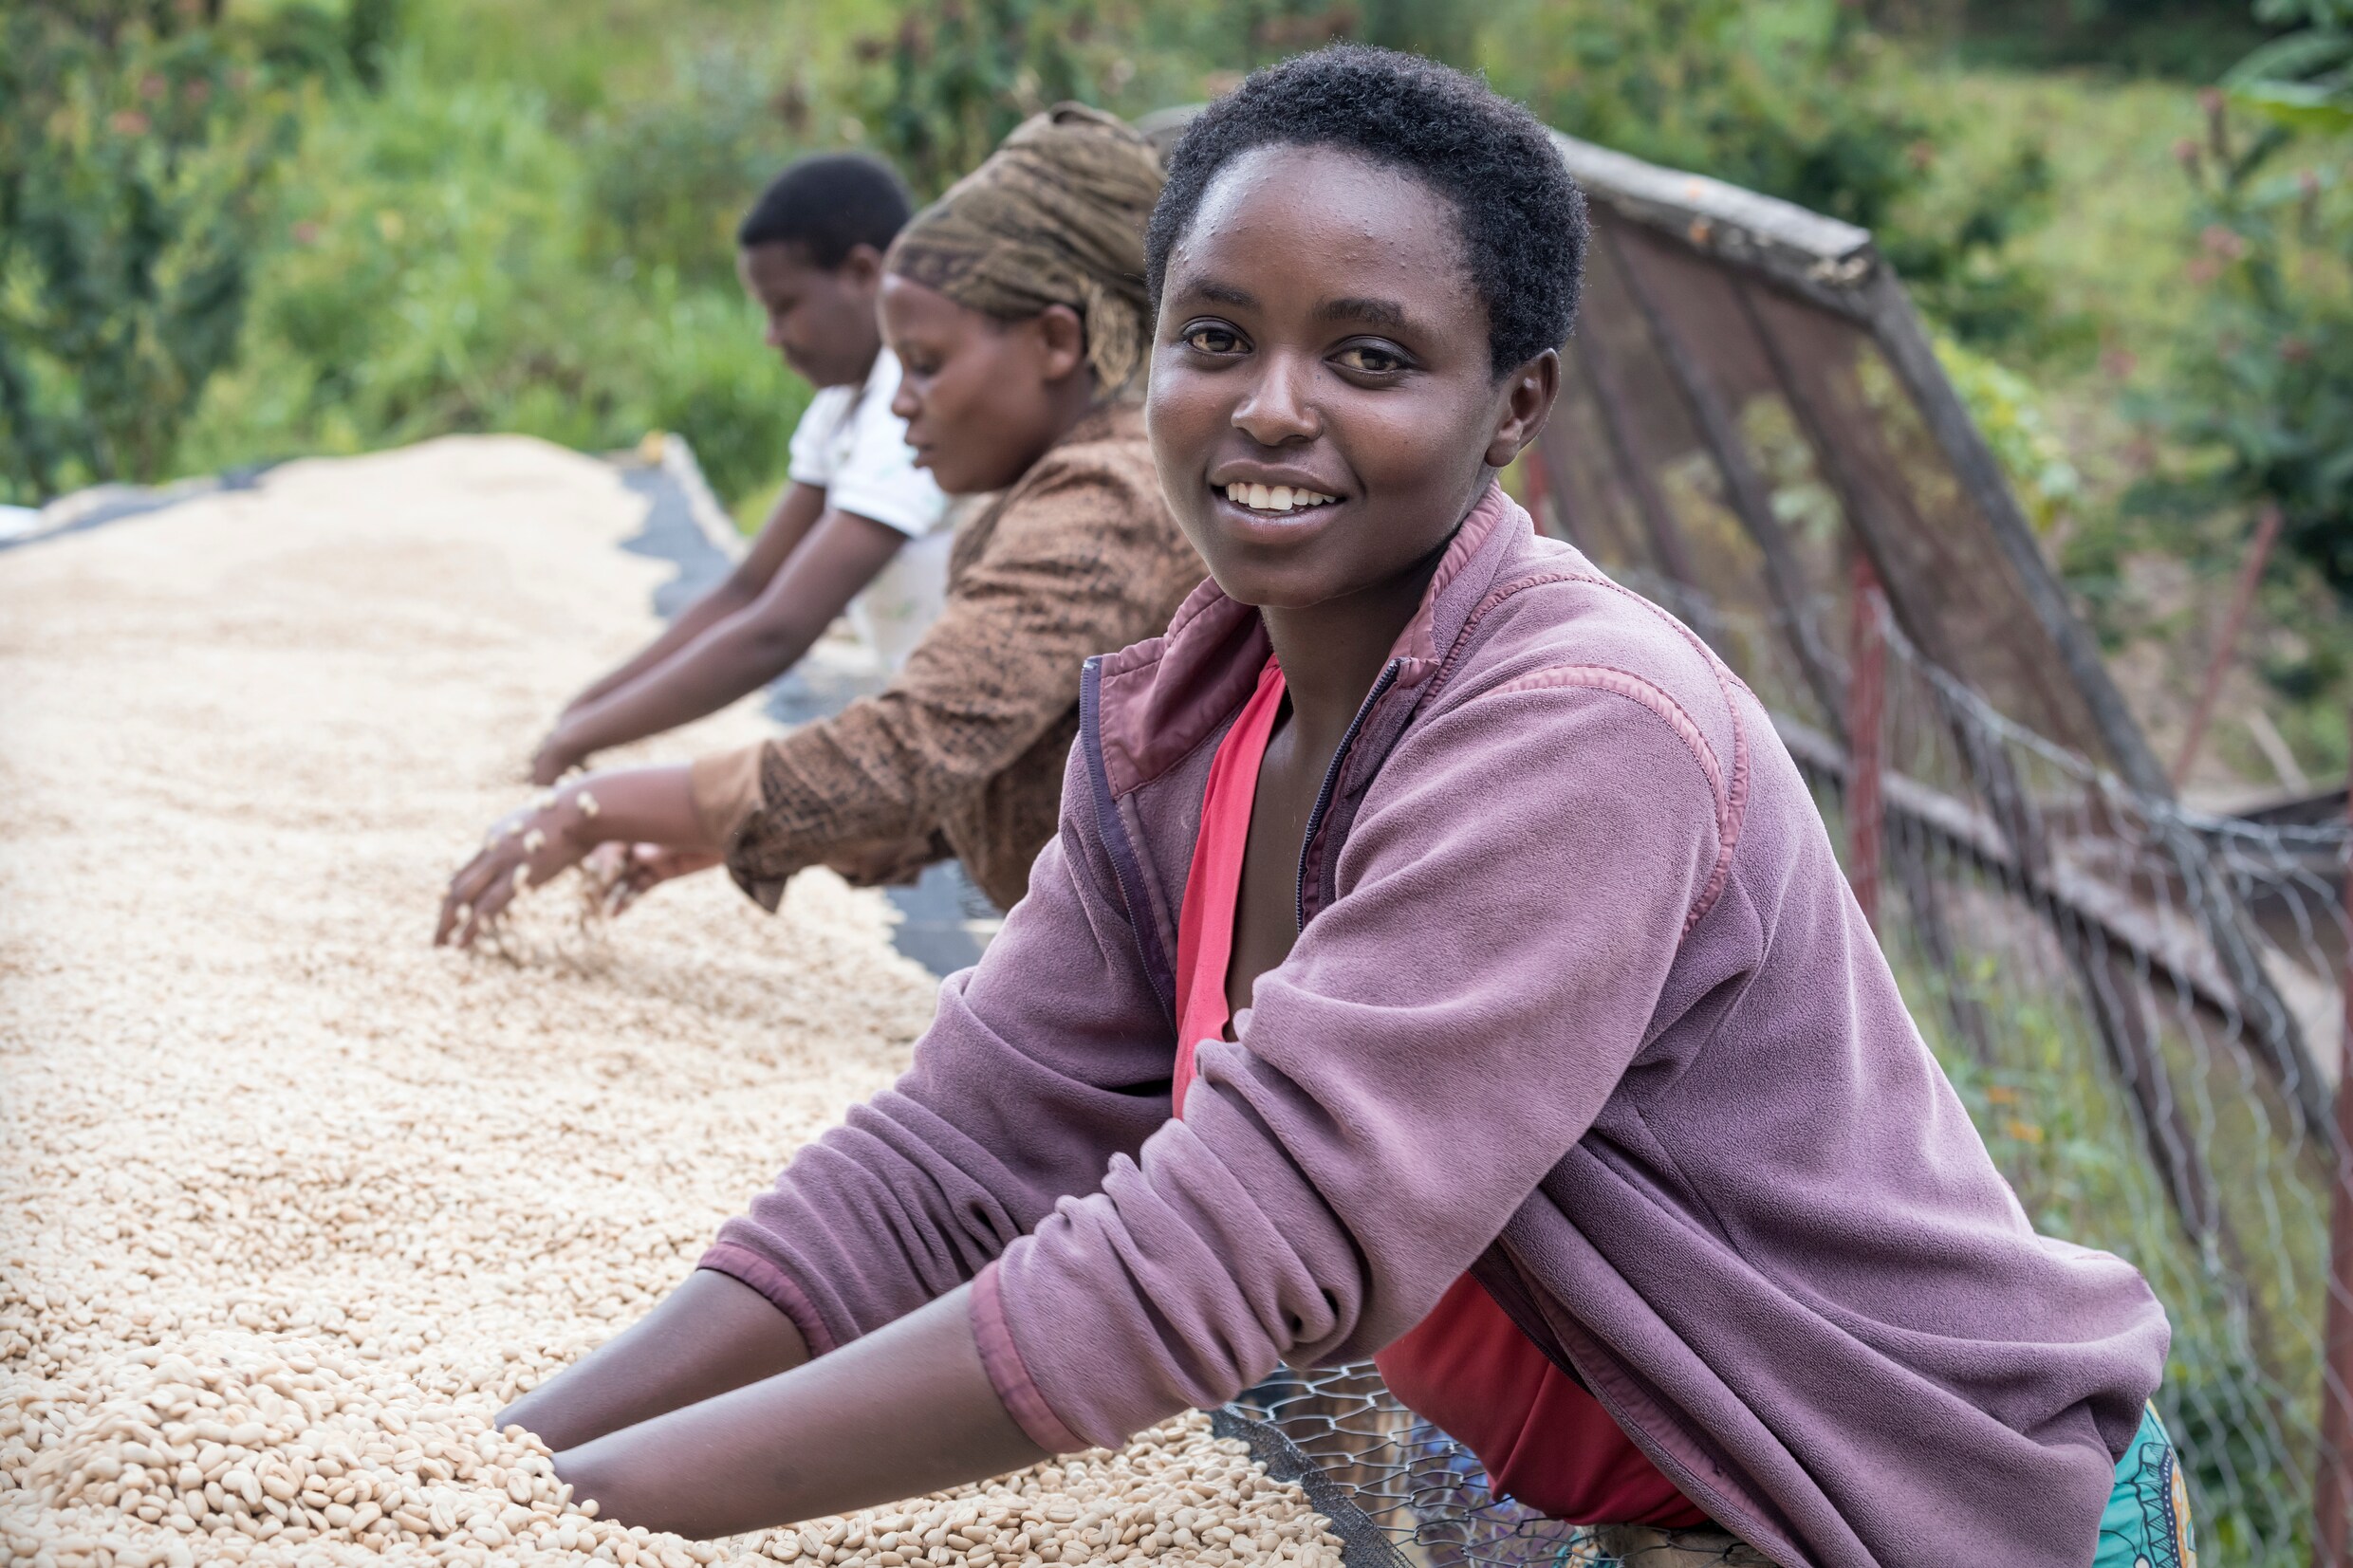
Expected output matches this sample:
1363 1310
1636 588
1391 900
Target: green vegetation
133 162
246 229
2268 388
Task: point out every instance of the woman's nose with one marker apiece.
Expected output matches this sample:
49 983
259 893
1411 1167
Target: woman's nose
1277 411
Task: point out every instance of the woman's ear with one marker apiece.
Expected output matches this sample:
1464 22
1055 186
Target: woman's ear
860 271
1062 343
1528 394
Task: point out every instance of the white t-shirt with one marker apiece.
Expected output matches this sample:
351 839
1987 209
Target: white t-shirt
850 445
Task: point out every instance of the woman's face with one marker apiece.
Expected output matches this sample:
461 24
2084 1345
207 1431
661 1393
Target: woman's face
1323 407
983 399
820 319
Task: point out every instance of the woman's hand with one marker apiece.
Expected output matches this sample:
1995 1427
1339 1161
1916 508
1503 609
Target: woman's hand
526 848
651 809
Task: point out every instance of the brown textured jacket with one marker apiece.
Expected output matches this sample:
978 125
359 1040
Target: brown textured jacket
962 753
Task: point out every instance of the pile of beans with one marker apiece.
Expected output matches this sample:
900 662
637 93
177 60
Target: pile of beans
291 1204
1174 1491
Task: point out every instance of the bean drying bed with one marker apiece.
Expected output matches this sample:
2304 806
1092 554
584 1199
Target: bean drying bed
293 1203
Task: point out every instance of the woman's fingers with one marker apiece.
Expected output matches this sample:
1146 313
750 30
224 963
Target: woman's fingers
458 904
486 887
637 875
522 852
494 898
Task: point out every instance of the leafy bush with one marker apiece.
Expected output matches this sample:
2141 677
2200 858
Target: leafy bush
440 263
134 144
670 176
2175 38
2265 397
943 89
956 75
2011 414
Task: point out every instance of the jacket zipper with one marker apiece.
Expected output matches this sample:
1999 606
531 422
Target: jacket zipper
1331 781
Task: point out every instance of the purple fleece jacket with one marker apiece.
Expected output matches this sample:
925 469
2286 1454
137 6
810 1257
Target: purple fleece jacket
1579 1002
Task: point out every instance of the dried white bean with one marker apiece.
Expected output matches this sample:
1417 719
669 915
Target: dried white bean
298 1203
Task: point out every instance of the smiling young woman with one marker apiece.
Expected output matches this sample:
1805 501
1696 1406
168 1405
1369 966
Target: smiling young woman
1439 960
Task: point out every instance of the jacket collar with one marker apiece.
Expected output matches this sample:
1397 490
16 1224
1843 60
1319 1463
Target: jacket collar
1160 700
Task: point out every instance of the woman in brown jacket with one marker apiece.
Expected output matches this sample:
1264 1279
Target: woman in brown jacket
1017 306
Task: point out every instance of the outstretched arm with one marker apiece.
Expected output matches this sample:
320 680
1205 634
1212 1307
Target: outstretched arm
711 1334
1046 1062
909 1409
736 654
789 521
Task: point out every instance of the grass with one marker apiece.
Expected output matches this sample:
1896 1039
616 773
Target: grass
2111 251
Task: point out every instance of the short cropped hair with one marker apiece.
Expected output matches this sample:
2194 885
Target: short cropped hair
1523 219
828 205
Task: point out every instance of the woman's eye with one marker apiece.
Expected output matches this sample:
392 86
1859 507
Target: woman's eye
1371 360
1213 340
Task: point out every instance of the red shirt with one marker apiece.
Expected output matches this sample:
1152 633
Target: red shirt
1466 1367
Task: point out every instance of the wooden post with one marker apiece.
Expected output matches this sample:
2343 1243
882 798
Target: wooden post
1866 701
2333 1489
2226 641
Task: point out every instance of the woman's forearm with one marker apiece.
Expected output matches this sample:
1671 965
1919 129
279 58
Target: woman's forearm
748 649
729 597
789 521
711 1334
907 1410
733 658
638 806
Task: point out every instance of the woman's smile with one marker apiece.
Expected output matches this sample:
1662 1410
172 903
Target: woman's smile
1253 518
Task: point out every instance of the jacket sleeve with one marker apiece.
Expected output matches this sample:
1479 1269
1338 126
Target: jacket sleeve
1510 903
1044 1061
1075 565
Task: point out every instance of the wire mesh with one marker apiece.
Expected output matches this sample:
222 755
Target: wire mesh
2060 940
1429 1496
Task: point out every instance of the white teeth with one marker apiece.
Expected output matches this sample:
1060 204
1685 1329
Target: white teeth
1279 498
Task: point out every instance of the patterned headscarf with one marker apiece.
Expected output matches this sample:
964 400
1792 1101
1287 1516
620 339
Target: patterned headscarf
1055 216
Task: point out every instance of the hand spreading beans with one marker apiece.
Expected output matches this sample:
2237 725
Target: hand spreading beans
293 1204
